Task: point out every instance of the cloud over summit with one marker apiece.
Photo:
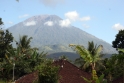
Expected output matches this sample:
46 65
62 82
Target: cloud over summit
31 23
65 23
73 16
49 23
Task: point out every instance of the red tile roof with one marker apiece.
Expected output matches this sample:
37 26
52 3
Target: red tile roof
29 78
70 73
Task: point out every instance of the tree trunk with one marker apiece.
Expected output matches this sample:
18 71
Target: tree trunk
93 66
94 74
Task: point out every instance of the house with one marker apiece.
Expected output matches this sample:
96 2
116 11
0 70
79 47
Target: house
29 78
68 73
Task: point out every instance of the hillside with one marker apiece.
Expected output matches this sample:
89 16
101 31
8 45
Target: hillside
48 35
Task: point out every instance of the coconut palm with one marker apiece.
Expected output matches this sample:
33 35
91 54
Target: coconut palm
91 55
79 62
24 43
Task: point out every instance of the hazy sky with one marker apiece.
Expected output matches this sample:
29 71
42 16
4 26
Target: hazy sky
101 18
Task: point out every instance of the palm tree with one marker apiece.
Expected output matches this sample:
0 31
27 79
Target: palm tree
24 43
63 57
91 55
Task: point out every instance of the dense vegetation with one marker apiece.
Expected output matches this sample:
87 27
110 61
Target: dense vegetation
24 59
91 61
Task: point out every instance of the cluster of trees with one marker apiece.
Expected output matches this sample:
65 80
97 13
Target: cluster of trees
91 60
23 59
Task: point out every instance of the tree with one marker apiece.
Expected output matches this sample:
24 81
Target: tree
48 73
63 57
24 43
24 57
6 39
1 21
91 55
119 40
114 67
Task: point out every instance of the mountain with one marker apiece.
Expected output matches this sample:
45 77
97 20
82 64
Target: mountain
50 35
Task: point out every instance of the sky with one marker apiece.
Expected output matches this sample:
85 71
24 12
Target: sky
100 18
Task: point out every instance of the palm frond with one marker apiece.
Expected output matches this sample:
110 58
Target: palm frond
98 50
84 53
91 55
87 64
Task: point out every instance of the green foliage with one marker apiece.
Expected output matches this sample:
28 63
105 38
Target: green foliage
6 39
48 73
24 43
63 57
91 55
114 67
25 63
98 80
1 21
119 40
24 57
87 80
5 70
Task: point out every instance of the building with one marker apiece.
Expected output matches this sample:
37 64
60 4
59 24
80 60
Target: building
68 73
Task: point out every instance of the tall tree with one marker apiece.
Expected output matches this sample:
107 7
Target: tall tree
6 39
91 55
114 67
1 21
24 43
24 57
119 40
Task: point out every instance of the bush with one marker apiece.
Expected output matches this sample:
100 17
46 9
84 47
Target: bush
48 73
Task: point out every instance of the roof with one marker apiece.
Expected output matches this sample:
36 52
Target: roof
29 78
70 73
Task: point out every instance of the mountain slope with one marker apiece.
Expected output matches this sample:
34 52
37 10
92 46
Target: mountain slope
46 31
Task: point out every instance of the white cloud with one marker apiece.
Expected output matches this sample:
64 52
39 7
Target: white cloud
118 26
48 23
86 26
65 23
73 15
87 18
23 16
51 2
31 23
